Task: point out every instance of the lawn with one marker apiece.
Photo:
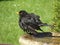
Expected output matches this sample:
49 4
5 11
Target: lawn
9 28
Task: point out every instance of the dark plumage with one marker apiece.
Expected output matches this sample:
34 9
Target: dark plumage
30 22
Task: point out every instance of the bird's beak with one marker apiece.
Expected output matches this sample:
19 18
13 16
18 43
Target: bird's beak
17 12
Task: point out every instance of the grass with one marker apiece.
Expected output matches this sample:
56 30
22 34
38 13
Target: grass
57 17
9 28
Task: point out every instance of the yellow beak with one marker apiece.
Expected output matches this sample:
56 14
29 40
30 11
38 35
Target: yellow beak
17 12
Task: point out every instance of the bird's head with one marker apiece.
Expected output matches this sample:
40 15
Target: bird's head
22 13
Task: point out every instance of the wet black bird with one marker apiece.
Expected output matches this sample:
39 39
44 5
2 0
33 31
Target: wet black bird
30 22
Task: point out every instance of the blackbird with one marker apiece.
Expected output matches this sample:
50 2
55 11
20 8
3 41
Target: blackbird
29 22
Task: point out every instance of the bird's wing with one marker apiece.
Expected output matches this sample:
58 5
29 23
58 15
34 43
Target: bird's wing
25 22
29 20
36 18
22 24
26 27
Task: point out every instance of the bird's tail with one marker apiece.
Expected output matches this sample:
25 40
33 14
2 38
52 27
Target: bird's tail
45 24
